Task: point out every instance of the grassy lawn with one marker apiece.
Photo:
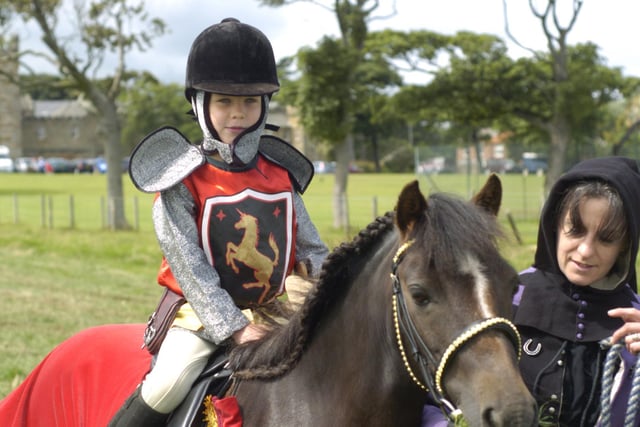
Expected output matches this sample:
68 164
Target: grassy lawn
62 272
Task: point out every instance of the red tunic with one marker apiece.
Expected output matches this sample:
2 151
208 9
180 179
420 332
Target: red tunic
247 229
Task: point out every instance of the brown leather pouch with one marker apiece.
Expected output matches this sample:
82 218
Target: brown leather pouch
161 319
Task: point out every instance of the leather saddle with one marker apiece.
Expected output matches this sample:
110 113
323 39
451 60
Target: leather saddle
215 380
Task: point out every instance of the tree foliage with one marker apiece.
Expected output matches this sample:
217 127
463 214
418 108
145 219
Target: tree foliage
147 104
472 83
330 91
326 95
78 50
556 99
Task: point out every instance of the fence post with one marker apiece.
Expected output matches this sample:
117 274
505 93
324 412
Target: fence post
43 211
374 207
136 213
72 212
102 212
16 215
514 227
524 193
51 212
345 218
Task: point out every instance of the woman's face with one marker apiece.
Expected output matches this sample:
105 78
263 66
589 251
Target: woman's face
232 115
584 255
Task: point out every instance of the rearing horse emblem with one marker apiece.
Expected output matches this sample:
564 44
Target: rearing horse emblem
247 253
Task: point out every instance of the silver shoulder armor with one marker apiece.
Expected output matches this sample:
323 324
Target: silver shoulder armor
162 159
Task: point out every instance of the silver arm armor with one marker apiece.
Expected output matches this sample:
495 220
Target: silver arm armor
309 247
175 221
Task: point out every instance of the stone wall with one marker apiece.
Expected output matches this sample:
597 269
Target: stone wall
10 103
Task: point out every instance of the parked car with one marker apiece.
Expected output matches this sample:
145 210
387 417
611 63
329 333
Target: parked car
535 165
321 166
502 166
6 162
99 165
83 165
59 165
26 164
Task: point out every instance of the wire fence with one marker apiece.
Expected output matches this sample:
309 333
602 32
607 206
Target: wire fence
522 200
69 211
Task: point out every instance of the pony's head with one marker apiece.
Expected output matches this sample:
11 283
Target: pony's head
449 273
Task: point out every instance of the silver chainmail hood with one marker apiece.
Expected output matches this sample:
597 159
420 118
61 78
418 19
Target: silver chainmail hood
244 148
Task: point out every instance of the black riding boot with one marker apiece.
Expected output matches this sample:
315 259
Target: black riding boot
136 413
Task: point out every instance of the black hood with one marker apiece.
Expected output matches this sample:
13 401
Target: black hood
621 173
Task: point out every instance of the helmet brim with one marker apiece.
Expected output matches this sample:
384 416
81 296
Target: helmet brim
238 89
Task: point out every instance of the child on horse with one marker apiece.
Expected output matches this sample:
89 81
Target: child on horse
233 228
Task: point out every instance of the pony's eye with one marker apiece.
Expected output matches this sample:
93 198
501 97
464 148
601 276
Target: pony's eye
419 295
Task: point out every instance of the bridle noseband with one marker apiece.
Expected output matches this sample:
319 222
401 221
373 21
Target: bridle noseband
404 327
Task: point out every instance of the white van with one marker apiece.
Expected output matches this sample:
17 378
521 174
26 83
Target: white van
6 162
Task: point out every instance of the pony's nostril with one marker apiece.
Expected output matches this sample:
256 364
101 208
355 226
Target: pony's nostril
491 417
488 418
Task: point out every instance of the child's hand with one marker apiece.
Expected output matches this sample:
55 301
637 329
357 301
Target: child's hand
250 332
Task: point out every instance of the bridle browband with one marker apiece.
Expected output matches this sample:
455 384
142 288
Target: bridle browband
405 328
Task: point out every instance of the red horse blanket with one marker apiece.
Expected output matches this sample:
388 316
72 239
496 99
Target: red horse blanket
82 382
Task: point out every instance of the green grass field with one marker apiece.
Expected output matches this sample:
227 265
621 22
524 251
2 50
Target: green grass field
62 272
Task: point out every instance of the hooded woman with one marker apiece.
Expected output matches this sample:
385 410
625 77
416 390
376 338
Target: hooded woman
580 290
584 266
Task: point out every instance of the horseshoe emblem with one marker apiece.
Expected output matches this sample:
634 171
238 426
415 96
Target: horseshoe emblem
528 351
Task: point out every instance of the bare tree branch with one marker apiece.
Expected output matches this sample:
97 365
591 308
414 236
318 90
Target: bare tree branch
507 30
617 147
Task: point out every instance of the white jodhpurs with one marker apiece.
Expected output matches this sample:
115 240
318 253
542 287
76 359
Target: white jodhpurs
180 360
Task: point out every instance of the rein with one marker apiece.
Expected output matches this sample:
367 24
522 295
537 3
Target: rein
405 328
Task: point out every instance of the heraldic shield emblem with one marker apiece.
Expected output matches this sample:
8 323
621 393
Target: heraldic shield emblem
248 239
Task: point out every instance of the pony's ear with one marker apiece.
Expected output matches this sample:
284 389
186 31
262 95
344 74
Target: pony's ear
490 196
410 208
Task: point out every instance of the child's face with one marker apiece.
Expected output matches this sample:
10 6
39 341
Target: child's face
231 115
585 256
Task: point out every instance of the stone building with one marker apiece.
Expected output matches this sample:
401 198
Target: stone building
290 128
68 128
32 128
63 128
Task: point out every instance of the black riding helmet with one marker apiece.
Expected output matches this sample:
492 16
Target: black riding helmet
231 58
235 59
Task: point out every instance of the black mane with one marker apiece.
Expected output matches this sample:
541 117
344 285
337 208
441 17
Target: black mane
453 227
282 348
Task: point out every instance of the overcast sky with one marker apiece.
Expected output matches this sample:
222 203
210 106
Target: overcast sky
611 24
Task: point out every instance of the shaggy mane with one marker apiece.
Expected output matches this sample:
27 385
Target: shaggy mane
450 228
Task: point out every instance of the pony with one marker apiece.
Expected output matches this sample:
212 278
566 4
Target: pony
413 310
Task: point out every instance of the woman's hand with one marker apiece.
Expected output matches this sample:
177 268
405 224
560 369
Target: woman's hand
630 331
250 332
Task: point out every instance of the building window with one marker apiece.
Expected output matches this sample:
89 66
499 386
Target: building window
41 132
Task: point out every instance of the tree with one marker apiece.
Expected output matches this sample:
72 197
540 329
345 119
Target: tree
329 92
465 69
44 86
147 104
475 84
101 28
625 118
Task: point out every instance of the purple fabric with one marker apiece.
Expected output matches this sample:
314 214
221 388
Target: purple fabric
432 416
620 400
